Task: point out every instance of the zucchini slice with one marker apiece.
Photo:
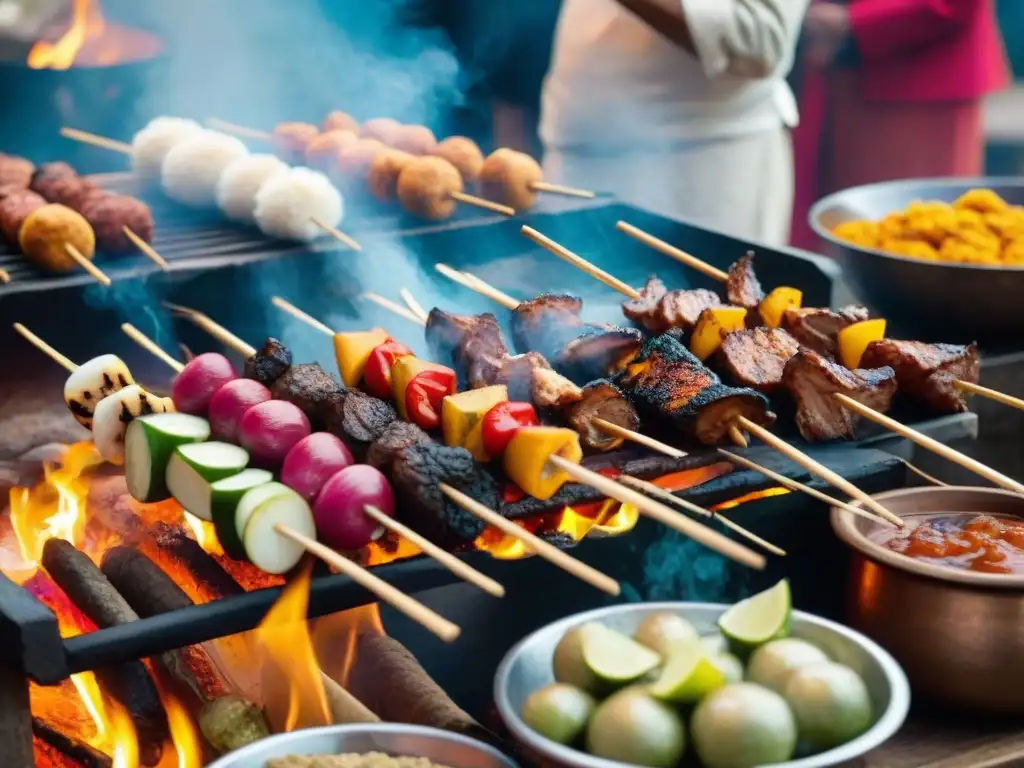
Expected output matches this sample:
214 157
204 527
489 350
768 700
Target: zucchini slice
225 496
194 467
267 549
149 444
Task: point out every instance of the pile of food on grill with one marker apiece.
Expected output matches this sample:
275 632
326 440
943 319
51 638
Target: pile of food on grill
979 227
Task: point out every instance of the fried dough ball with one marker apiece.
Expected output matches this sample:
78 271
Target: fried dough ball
1013 253
353 161
414 139
894 225
290 139
862 233
383 129
1008 224
238 185
340 121
464 154
508 176
322 150
918 249
46 234
425 188
981 200
964 252
288 203
385 168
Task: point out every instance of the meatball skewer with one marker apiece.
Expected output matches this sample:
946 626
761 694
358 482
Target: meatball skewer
516 178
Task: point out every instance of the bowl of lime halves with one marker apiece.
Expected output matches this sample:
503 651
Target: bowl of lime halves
700 684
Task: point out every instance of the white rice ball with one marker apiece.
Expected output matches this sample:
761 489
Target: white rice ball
151 145
238 185
287 203
193 167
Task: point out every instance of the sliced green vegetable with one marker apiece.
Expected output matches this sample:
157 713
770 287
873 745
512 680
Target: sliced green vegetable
150 442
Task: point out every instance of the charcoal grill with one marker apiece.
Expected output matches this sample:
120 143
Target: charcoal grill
232 274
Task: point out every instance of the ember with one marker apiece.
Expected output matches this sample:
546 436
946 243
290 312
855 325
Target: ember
90 41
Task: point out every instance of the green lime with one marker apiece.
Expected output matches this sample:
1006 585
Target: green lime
558 712
731 667
660 631
689 675
772 664
756 620
616 659
715 643
567 662
632 727
743 725
830 702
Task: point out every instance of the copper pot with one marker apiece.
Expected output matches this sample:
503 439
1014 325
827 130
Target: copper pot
959 635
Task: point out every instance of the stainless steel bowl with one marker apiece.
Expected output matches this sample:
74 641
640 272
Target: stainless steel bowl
958 634
527 667
445 748
930 300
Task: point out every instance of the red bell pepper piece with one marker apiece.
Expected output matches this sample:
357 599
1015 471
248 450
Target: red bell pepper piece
425 394
377 376
503 421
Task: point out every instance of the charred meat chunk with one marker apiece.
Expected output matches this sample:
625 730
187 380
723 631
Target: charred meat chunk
644 311
308 386
928 371
270 362
514 371
547 323
601 400
598 353
817 328
396 437
416 474
742 289
550 389
669 383
756 357
357 418
447 332
681 309
812 379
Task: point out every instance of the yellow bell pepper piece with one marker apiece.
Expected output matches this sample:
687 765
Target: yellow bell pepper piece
403 372
474 443
854 339
353 351
712 326
460 413
526 459
773 307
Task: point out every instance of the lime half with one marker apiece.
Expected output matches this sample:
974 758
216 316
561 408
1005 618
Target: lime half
758 619
689 675
616 659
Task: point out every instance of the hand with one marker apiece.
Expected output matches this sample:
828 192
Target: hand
827 28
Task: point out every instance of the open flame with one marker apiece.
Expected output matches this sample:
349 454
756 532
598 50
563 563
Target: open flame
87 24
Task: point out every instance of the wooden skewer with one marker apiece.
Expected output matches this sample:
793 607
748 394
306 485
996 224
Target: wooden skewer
477 285
298 314
657 511
46 349
923 475
817 468
534 543
337 234
580 263
238 130
151 346
480 202
931 444
414 306
215 329
95 272
97 141
415 610
560 189
670 250
638 438
661 493
460 568
5 276
147 250
781 479
186 352
398 309
991 394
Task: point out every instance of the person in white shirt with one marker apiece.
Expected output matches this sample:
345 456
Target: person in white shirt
679 107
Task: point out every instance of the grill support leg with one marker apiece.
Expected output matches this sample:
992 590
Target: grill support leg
15 719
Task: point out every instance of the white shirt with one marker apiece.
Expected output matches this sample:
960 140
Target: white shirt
614 81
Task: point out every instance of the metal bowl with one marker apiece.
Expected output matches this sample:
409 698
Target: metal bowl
930 300
956 633
527 667
442 747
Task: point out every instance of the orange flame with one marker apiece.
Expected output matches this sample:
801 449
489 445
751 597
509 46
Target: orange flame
335 638
114 731
205 534
752 496
290 661
188 751
87 23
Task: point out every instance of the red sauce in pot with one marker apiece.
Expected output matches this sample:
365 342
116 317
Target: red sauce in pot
970 542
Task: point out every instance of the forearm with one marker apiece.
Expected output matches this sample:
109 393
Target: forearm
665 17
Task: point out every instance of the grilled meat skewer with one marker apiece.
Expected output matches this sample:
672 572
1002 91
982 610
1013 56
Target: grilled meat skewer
928 372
